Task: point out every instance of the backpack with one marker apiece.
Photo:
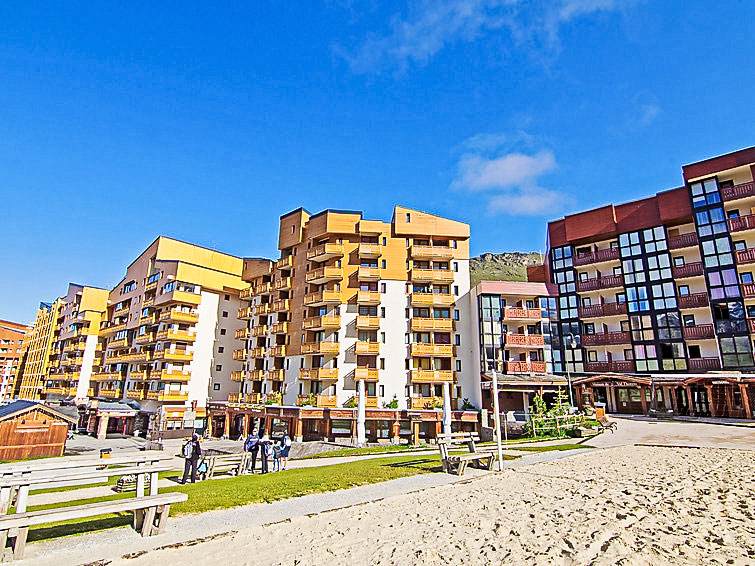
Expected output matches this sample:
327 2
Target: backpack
277 451
251 443
188 449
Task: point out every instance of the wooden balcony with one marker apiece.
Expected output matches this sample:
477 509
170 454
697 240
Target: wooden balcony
279 328
177 315
432 252
183 297
151 285
607 282
280 305
168 395
604 309
253 398
234 397
177 335
746 256
693 301
439 350
751 324
524 341
368 322
367 348
238 375
606 339
370 402
432 275
135 394
149 319
367 273
171 375
525 367
322 298
106 376
322 401
619 366
432 300
260 309
368 297
263 288
741 223
324 274
748 290
258 352
319 373
277 351
282 284
173 355
432 376
119 343
260 330
246 294
704 364
687 270
276 375
329 348
370 250
432 324
322 322
699 332
367 374
109 328
285 262
142 375
111 393
598 256
681 241
736 192
325 252
426 403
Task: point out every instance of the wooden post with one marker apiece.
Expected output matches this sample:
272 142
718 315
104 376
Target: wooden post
673 400
298 430
102 428
729 393
396 431
326 428
690 401
745 400
245 430
711 404
644 401
227 425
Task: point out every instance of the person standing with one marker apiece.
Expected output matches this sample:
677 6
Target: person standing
192 451
285 449
264 451
277 451
252 445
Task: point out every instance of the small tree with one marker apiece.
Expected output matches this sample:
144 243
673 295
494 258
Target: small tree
392 404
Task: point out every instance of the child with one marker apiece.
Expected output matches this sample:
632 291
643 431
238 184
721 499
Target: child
285 449
277 456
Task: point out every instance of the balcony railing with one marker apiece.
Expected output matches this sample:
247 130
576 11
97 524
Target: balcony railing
368 297
171 375
322 297
276 375
173 334
704 364
325 251
693 301
606 339
525 340
234 397
520 313
439 275
261 309
432 299
432 375
682 241
277 351
257 352
606 282
238 375
441 350
259 330
603 309
599 256
525 367
179 316
688 270
323 401
280 305
282 284
324 274
738 191
370 250
279 328
419 403
700 332
368 322
746 256
367 273
318 373
741 223
617 366
246 294
432 324
432 252
285 262
168 395
369 374
330 348
367 347
256 375
320 322
748 290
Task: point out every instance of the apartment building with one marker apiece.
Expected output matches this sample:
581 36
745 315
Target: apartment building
656 298
169 335
11 352
38 343
75 348
358 324
513 338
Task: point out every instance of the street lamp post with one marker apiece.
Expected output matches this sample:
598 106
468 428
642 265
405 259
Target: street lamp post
571 344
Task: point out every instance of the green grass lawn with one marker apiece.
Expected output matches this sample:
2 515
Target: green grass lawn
386 449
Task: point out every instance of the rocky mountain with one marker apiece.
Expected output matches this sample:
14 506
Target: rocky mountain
508 266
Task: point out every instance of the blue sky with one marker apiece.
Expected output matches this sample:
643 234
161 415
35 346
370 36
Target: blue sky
205 122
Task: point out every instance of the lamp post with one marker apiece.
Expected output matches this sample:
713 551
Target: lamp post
571 344
497 418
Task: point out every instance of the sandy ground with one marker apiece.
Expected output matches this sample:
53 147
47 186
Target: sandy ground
626 505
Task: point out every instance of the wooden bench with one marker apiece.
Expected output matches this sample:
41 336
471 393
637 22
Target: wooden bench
235 464
457 463
605 424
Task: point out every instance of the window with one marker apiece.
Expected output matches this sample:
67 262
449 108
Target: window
717 252
128 287
456 290
218 367
216 387
221 349
456 314
683 290
688 320
735 351
458 365
746 277
592 356
408 217
225 314
694 351
222 331
637 299
457 339
589 328
382 312
723 283
382 287
227 297
456 266
642 328
663 296
710 222
704 193
740 245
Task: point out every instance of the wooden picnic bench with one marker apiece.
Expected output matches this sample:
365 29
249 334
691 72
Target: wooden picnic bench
605 424
150 511
235 464
457 463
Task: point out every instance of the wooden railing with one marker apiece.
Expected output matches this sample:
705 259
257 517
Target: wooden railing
746 256
738 191
682 241
525 367
688 270
606 338
617 366
699 332
520 313
704 363
693 301
525 340
605 282
741 223
609 254
604 309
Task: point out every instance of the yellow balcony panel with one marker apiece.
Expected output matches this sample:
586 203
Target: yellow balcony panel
432 300
246 294
151 285
143 356
244 313
432 324
324 274
323 401
368 297
111 393
263 288
121 312
120 343
367 347
282 284
276 375
148 301
325 252
90 392
322 298
432 376
240 355
258 310
178 315
370 250
183 297
238 375
135 394
318 373
253 398
322 322
280 305
171 375
256 375
177 335
69 348
366 273
145 338
105 376
242 334
368 322
330 348
150 318
174 355
168 395
432 252
234 397
370 402
285 262
368 374
426 403
278 350
140 375
260 330
279 328
258 352
109 328
432 350
432 275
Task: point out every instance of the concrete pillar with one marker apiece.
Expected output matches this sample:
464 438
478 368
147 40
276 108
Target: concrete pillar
526 403
745 400
361 401
102 428
446 408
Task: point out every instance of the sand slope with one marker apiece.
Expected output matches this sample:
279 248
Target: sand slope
627 505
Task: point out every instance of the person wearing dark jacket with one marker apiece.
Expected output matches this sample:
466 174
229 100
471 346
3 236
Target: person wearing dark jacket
192 459
264 444
252 445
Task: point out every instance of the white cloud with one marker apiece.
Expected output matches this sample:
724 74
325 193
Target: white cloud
510 180
648 113
429 26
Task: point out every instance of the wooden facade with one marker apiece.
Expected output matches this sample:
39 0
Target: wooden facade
32 431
